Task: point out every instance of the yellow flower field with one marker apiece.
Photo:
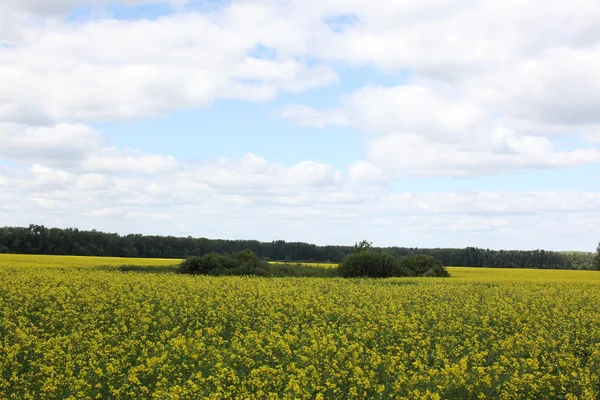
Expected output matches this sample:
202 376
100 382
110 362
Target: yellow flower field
26 260
78 333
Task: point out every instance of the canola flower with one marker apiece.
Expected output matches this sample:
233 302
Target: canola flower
46 261
74 333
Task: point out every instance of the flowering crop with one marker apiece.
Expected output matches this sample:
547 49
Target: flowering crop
30 260
75 333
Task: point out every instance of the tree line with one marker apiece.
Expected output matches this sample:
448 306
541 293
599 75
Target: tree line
38 239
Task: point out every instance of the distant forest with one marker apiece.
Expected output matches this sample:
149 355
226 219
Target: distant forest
38 239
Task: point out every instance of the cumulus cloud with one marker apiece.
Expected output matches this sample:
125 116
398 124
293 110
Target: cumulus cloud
487 87
412 155
557 89
107 69
74 147
180 201
418 131
256 174
592 135
19 15
113 160
60 143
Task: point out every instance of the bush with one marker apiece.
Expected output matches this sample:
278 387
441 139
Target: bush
375 265
422 265
300 270
383 265
240 263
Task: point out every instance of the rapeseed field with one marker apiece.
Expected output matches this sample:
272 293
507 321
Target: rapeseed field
44 261
71 332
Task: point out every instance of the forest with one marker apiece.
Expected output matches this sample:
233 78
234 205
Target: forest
38 239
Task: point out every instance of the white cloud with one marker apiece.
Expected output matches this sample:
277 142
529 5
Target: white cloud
62 143
411 155
255 174
290 75
308 116
419 131
19 15
410 108
113 160
364 171
106 70
60 7
77 147
457 39
265 201
558 88
490 86
592 136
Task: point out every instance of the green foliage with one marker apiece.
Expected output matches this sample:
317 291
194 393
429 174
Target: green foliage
577 259
383 265
300 270
597 258
241 263
37 239
247 263
370 264
422 265
363 246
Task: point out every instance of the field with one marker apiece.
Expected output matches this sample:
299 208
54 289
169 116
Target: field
75 262
81 328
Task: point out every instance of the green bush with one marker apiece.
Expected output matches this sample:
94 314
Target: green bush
370 264
300 270
383 265
240 263
422 265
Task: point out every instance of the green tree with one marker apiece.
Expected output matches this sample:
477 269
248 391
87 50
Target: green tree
597 258
363 246
364 263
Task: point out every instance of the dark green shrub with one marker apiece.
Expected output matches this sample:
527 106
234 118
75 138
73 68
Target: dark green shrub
422 265
283 270
369 264
383 265
240 263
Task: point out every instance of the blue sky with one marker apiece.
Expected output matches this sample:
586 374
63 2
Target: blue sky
313 121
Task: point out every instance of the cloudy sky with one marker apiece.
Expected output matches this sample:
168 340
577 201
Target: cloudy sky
428 123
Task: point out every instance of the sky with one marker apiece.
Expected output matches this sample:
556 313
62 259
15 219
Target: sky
416 123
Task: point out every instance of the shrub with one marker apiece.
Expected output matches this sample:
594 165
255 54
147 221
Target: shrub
240 263
422 265
300 270
366 263
382 265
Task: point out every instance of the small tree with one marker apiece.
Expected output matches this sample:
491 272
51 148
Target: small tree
364 263
363 246
597 258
